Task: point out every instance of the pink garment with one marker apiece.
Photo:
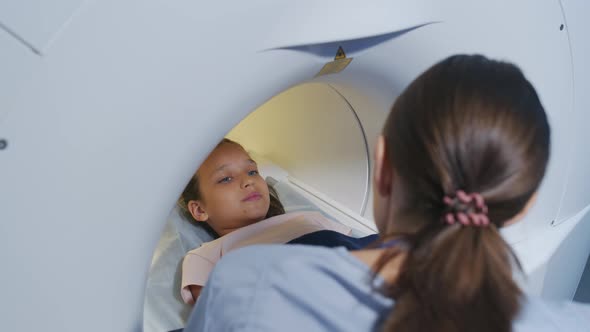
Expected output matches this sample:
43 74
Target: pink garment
198 263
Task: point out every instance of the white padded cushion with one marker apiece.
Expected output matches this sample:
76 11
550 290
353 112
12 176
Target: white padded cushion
164 309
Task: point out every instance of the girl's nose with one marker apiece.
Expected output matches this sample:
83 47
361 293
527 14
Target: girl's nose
248 181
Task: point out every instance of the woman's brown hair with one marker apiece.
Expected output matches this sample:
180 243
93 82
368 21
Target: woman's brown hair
472 124
192 192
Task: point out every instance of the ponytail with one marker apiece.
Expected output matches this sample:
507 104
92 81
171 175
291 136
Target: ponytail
455 278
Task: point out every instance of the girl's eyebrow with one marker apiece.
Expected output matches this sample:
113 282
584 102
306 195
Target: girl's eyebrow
220 168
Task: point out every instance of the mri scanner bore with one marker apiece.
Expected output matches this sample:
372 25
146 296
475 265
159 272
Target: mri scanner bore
107 107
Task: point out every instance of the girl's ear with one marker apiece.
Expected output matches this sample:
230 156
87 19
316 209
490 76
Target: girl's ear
382 170
197 211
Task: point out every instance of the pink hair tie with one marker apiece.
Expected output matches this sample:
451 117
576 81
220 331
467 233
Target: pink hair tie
466 209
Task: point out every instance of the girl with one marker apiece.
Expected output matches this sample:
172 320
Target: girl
229 197
461 155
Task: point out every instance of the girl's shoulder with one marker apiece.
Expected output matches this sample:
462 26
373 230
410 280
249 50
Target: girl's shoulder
210 249
298 214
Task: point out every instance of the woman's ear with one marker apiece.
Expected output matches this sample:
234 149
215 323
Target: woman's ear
197 211
523 212
382 170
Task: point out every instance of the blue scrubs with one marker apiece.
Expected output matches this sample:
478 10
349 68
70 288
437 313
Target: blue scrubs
309 288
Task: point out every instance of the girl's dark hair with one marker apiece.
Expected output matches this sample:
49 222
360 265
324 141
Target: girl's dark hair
191 192
476 125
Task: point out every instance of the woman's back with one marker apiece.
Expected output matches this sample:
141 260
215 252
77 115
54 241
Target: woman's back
304 288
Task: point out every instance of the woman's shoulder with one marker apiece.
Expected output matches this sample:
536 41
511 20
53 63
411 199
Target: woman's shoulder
285 283
268 256
302 264
541 315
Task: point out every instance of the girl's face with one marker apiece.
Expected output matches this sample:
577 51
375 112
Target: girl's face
233 194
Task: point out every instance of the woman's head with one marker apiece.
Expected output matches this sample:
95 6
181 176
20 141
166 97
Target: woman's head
227 192
473 124
467 124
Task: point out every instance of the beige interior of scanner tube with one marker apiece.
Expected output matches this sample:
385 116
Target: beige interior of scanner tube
313 133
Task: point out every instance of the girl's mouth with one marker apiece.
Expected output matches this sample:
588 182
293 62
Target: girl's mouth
252 197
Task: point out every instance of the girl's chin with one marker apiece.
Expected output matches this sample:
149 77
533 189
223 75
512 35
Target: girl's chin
259 217
252 219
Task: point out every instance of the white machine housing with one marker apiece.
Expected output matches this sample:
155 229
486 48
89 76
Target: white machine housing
107 108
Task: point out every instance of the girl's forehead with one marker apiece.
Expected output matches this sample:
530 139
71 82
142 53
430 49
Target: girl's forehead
224 156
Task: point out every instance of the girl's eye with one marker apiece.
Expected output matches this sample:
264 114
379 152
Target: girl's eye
252 173
225 179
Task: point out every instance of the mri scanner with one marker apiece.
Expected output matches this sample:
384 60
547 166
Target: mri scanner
108 107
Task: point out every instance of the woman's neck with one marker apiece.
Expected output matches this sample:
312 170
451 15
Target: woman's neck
390 270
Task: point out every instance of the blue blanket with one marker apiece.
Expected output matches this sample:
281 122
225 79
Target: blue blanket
333 239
